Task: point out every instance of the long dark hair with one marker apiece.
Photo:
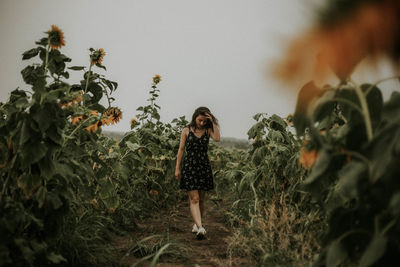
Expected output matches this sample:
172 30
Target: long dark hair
202 111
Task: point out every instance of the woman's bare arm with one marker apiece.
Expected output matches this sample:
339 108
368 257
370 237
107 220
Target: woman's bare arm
181 149
214 133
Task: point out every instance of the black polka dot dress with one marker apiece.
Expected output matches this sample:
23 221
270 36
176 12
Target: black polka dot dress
196 170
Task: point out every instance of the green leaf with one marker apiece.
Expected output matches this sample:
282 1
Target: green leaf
391 108
42 42
133 147
96 90
100 66
32 152
257 116
276 120
30 53
322 164
394 205
374 251
40 195
77 68
54 133
255 129
276 136
25 133
336 255
375 103
47 168
65 74
307 94
245 181
43 117
56 258
29 183
26 251
347 185
54 200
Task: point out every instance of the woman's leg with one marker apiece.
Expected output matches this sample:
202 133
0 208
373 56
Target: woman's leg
202 199
195 207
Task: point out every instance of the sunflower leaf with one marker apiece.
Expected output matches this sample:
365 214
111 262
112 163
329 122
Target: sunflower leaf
77 68
30 53
101 66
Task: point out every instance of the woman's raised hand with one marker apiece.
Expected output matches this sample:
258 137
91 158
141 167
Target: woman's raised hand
208 116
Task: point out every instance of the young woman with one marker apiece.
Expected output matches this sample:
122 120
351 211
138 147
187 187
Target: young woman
196 176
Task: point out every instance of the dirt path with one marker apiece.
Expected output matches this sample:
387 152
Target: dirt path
212 251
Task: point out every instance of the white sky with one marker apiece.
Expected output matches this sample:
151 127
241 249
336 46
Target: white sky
212 53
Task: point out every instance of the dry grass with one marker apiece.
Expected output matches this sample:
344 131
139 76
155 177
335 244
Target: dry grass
280 234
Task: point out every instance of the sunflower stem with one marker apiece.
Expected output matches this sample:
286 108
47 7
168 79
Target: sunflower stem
88 76
108 97
365 110
47 56
76 129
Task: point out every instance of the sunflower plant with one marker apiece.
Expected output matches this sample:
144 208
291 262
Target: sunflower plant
355 133
50 156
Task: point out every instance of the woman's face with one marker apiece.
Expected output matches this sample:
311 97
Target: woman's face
201 121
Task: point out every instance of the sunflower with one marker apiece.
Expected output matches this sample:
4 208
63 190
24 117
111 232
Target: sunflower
156 79
133 121
289 119
114 115
94 203
93 128
107 121
308 158
56 37
76 120
74 101
370 30
94 113
97 56
153 192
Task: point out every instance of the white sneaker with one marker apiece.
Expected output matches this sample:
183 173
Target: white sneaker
195 229
201 233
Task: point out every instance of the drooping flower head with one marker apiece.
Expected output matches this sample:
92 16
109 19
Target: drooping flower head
97 56
153 192
157 79
114 115
56 37
133 121
93 128
76 120
308 157
370 30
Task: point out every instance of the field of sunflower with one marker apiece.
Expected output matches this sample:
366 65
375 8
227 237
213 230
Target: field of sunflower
328 195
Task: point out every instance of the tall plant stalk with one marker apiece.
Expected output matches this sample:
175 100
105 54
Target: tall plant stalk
364 107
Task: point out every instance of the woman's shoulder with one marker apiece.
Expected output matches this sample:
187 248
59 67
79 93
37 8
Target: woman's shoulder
186 130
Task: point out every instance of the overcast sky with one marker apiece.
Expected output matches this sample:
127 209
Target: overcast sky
212 53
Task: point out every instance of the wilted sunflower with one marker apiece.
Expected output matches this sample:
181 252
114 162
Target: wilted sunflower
56 37
76 120
371 30
74 101
114 115
289 119
157 79
308 158
107 121
93 128
153 192
133 120
94 113
97 56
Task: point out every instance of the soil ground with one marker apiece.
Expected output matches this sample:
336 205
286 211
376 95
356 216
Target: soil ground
176 223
